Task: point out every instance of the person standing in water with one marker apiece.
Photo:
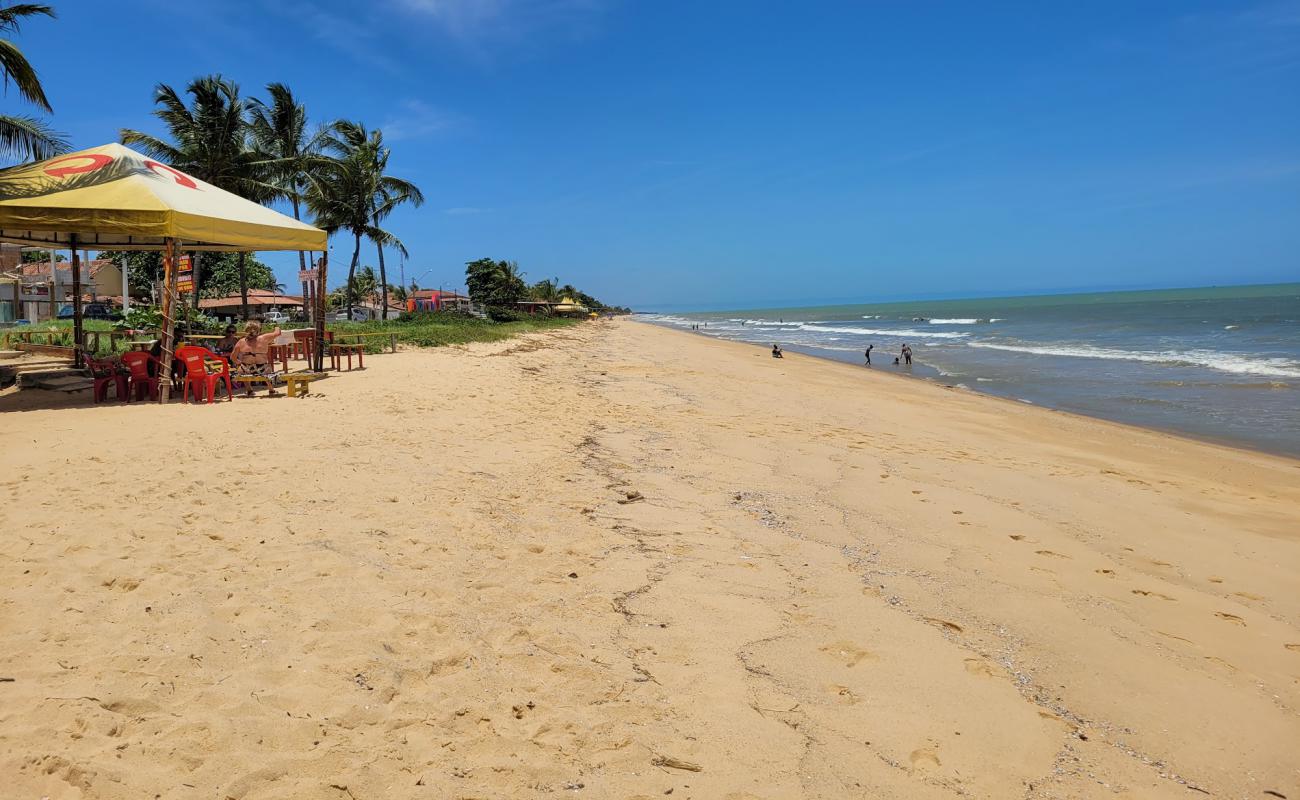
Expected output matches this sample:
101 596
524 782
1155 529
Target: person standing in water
907 355
870 347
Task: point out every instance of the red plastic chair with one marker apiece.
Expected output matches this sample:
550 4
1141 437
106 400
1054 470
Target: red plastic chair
104 372
138 363
199 380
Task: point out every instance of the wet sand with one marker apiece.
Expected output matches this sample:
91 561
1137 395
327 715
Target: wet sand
618 561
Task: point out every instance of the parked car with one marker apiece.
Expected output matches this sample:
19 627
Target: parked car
92 311
276 317
358 315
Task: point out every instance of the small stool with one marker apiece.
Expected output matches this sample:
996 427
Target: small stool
338 350
299 383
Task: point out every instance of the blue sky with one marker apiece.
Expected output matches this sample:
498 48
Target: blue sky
755 153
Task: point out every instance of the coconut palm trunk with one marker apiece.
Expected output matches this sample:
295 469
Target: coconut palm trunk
243 285
352 270
383 283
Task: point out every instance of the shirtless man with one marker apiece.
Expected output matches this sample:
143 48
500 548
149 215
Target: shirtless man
250 353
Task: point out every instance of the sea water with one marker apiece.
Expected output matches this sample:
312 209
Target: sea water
1216 363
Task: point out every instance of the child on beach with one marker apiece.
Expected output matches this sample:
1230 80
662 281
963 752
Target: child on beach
870 347
776 351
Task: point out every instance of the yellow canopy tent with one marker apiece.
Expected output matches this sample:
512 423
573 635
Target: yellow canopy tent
113 198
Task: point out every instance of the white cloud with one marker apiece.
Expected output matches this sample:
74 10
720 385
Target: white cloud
475 21
416 119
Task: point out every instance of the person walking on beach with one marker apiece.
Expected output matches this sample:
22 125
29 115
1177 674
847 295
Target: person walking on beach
870 347
907 355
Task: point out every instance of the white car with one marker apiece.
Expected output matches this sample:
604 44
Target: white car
276 317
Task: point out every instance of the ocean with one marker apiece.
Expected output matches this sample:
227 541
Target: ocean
1217 363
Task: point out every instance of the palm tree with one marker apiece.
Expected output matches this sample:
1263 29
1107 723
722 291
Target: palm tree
279 133
367 283
25 137
546 290
356 194
210 140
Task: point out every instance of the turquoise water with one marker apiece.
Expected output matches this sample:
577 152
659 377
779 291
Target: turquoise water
1219 363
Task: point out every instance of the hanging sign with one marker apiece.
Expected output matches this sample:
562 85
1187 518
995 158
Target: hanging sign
184 274
309 275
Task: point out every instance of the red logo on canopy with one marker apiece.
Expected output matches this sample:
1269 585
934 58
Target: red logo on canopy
180 177
89 163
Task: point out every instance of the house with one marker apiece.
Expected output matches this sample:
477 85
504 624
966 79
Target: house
41 294
437 300
259 302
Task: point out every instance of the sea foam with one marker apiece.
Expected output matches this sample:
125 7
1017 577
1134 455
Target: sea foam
1235 363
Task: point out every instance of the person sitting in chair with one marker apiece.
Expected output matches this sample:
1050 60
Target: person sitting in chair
776 351
249 355
227 343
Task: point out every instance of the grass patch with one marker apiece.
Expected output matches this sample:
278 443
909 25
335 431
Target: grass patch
418 330
437 330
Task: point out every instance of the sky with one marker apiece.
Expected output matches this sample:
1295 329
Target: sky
673 155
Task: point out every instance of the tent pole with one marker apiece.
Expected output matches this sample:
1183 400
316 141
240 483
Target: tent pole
54 288
168 323
126 289
76 302
321 265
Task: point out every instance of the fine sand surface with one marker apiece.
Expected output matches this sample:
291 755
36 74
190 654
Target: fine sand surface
427 580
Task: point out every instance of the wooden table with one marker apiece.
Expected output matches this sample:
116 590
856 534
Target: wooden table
338 350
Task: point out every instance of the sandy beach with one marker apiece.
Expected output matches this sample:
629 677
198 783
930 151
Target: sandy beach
619 561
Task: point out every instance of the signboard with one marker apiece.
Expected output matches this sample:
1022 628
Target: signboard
309 275
184 274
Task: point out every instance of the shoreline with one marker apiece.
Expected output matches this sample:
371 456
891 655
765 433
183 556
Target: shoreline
606 559
938 380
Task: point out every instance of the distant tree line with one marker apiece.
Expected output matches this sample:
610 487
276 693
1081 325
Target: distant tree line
501 285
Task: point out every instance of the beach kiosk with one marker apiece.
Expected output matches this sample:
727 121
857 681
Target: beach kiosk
113 198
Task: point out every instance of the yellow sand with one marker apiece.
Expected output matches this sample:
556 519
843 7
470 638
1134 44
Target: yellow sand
426 581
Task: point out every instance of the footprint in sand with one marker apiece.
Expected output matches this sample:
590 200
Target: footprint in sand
846 652
924 758
1016 537
1146 593
1233 618
945 624
1050 554
1109 573
1247 595
978 666
846 695
1292 647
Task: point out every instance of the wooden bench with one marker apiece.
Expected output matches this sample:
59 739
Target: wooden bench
299 383
247 381
47 349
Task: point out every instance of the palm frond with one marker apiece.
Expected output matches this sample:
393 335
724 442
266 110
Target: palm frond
30 138
16 68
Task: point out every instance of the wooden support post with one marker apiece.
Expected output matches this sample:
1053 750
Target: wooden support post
78 339
170 300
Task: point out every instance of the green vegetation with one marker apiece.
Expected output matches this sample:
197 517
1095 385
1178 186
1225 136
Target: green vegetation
437 329
221 272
